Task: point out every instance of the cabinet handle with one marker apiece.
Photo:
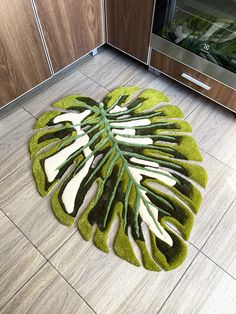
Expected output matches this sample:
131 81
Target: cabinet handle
197 82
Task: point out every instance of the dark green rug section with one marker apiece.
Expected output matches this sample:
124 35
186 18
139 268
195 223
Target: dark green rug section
127 164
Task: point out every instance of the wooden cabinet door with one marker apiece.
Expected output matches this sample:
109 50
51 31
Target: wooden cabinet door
71 28
217 91
129 26
23 64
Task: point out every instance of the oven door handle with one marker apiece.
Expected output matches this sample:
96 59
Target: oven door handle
197 82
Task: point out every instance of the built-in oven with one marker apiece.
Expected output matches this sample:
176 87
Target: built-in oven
199 33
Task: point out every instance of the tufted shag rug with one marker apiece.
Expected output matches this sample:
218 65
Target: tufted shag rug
128 159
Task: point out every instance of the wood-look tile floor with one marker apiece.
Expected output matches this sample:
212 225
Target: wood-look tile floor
46 267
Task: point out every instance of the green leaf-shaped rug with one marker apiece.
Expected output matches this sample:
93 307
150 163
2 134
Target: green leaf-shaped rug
134 152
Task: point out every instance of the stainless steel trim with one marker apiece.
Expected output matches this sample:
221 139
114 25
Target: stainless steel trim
195 81
194 61
40 29
106 21
103 11
149 47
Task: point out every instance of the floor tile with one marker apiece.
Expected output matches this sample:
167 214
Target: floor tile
204 289
111 285
75 83
15 161
215 130
19 260
15 128
213 167
47 292
150 293
21 201
111 68
219 195
221 246
142 78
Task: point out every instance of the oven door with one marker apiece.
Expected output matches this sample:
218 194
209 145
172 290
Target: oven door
199 33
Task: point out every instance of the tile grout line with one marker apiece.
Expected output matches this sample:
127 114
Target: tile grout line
129 79
133 77
93 80
222 162
204 101
62 244
200 249
217 224
22 233
102 84
169 295
35 273
193 111
72 287
79 70
218 265
11 173
47 260
28 112
212 261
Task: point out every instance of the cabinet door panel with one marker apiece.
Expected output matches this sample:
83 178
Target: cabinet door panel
23 64
129 26
72 28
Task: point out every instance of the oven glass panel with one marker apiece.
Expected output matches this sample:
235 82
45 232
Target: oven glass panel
204 27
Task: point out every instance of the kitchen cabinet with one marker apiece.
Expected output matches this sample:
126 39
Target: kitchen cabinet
129 26
71 28
23 63
190 77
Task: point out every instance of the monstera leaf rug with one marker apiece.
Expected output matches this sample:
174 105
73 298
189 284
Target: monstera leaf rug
134 150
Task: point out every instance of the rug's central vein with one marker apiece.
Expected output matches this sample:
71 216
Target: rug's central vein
147 211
